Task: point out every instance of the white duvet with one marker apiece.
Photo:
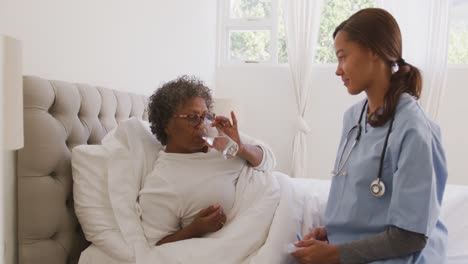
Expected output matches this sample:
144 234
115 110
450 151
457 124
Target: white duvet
267 214
259 233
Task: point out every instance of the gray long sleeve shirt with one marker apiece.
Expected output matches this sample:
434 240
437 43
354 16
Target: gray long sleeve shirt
392 243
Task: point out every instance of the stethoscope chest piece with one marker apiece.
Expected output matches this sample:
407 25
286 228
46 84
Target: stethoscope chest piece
377 188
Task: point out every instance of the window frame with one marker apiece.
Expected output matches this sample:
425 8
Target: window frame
226 24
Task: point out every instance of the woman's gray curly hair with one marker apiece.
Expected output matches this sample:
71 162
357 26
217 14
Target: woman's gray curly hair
165 100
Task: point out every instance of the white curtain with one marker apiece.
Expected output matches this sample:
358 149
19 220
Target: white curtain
425 43
302 20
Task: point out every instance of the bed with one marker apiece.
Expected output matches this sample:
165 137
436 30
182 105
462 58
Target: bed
59 116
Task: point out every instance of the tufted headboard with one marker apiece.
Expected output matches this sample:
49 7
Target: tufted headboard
57 117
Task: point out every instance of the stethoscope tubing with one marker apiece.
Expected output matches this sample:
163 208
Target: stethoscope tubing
377 186
356 141
340 168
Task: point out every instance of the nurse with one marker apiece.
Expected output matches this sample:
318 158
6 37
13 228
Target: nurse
390 171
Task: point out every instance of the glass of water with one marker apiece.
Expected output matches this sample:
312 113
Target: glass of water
218 140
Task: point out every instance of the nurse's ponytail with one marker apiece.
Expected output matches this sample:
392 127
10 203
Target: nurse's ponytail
377 30
406 79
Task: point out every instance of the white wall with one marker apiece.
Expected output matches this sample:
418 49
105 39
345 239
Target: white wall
269 114
126 45
453 119
121 44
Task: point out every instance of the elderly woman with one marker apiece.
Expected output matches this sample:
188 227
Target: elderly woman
192 187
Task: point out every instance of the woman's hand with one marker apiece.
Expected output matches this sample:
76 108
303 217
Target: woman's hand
314 251
251 153
318 233
208 220
231 130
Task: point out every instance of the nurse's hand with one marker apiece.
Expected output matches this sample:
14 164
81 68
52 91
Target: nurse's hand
314 251
318 233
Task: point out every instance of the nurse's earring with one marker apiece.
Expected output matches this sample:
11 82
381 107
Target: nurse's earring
377 188
395 67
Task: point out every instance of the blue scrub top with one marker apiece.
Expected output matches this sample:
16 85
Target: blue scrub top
414 173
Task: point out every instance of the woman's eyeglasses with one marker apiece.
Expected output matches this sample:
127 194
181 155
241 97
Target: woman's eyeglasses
196 119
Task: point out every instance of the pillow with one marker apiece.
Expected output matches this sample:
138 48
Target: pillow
107 179
92 204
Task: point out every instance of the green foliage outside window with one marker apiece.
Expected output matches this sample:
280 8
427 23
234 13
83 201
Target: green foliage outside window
458 47
282 48
250 8
334 12
254 45
250 45
458 34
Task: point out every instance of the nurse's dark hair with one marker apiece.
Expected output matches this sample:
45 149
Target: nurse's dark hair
165 100
378 30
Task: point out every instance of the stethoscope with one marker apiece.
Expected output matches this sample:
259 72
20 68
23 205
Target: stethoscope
377 187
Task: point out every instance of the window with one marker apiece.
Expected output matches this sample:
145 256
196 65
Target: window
334 12
253 31
458 34
250 31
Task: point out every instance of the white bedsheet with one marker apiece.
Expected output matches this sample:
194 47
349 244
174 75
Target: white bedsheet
454 215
